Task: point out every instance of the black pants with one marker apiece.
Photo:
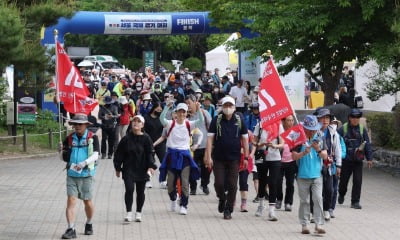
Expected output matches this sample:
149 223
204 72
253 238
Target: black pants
129 189
205 172
349 168
272 168
160 150
226 177
107 136
243 176
289 171
335 184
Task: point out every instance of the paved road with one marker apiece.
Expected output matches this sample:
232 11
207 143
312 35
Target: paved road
32 205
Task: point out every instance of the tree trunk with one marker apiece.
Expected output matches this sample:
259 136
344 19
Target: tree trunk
330 85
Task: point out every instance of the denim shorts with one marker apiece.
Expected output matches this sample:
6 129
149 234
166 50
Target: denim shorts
80 187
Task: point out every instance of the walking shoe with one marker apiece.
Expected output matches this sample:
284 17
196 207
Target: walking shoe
128 217
163 185
69 234
259 211
278 204
227 214
256 200
327 216
305 230
340 199
109 156
356 205
206 191
221 206
193 192
103 156
243 207
88 229
272 217
173 206
319 230
183 210
331 213
138 217
149 185
288 207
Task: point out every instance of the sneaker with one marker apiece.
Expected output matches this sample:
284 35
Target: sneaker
356 205
183 210
305 230
319 230
327 216
227 214
340 199
206 191
331 213
272 217
128 217
256 200
148 184
88 229
69 234
163 185
221 206
103 156
288 207
278 204
173 206
243 207
193 192
259 211
138 217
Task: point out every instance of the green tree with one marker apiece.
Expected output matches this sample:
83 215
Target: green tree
194 64
316 35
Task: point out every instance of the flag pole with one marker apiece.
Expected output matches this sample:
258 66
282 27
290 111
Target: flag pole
291 106
55 32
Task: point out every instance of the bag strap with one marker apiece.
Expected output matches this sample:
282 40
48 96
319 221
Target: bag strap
187 123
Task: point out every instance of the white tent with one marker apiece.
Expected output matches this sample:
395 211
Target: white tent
222 58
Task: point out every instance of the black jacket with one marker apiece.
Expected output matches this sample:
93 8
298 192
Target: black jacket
134 156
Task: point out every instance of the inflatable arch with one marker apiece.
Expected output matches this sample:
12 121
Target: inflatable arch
136 23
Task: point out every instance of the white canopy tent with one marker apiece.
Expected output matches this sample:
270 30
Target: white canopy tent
222 58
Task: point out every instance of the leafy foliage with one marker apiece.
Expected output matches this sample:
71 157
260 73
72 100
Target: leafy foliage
385 131
194 64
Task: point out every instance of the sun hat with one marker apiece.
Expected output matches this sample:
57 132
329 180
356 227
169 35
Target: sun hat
311 123
79 118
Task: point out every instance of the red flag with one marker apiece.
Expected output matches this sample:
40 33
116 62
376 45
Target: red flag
71 88
294 136
273 130
272 98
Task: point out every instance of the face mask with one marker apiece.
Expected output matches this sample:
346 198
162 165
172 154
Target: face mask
332 128
228 110
146 102
216 90
157 113
198 96
138 88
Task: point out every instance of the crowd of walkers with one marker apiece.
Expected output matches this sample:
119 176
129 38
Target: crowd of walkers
199 124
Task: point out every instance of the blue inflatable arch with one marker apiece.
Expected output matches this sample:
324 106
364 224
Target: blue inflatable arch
128 23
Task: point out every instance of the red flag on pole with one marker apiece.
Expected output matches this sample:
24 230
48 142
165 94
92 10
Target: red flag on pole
71 88
272 98
273 130
294 136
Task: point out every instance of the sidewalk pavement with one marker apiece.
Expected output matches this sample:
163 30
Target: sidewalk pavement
33 200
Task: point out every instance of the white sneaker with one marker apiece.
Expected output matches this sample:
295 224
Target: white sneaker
163 185
128 217
183 211
327 216
138 217
259 211
173 206
271 216
148 184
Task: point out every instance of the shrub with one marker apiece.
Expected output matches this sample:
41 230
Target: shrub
383 130
194 64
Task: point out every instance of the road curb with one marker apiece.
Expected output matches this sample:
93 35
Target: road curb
39 155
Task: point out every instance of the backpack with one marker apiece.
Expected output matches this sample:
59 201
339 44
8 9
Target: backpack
346 127
173 125
66 153
238 123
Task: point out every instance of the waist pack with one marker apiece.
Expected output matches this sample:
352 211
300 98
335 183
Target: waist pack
259 156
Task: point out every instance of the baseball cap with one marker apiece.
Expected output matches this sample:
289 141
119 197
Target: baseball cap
140 117
228 99
181 106
355 113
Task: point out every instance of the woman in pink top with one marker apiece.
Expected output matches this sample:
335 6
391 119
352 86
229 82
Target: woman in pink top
288 169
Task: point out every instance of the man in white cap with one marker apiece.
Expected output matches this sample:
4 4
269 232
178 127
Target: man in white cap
178 160
223 152
80 151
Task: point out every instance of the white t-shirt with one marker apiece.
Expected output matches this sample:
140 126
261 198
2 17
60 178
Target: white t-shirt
239 95
179 137
273 153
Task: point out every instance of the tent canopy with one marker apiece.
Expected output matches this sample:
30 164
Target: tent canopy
222 58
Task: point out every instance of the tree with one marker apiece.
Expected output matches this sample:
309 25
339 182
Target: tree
316 35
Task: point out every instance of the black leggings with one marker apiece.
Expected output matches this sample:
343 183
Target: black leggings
129 189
